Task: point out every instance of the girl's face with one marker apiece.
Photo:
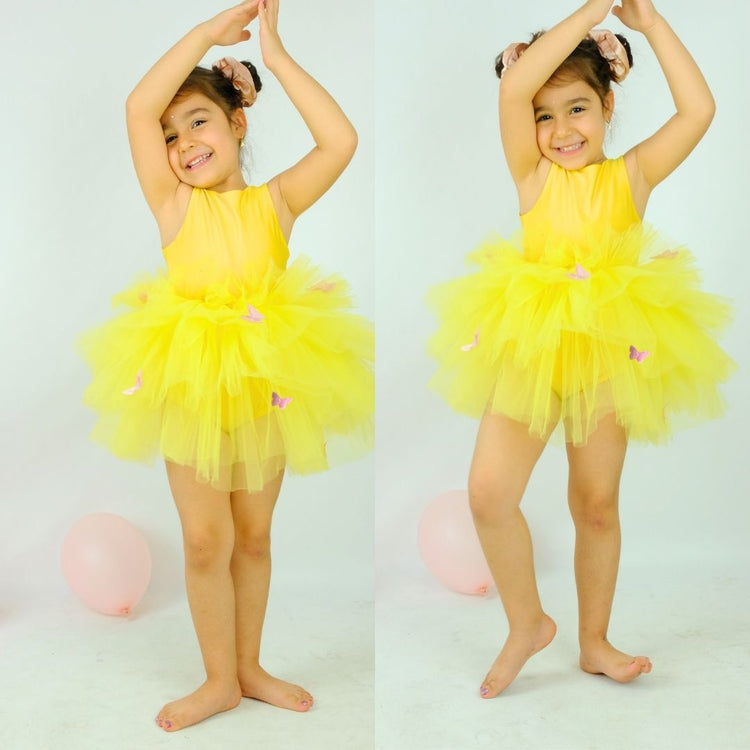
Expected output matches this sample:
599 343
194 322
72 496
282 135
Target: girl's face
571 123
202 144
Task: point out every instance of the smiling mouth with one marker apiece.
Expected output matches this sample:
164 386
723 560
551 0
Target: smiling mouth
573 148
198 162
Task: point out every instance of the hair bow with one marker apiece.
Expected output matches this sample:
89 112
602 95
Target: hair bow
613 51
610 48
240 77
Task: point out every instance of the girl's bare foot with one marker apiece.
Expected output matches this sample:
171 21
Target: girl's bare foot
517 649
210 698
257 683
600 657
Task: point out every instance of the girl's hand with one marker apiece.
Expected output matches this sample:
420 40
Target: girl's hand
228 27
639 15
270 41
598 10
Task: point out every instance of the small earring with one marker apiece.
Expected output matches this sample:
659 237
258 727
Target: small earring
244 154
609 124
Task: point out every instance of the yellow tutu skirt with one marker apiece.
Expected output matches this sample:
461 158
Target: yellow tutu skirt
238 383
575 335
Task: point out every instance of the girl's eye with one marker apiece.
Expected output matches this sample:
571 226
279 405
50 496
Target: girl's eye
171 139
197 123
541 118
576 110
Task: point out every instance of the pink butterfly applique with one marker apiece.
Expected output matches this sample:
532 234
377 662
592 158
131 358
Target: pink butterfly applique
579 273
667 254
277 400
638 356
324 286
472 345
137 387
253 316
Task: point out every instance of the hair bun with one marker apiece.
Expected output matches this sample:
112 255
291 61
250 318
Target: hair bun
625 43
254 73
499 66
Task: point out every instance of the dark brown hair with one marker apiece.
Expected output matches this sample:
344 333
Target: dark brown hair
217 87
585 62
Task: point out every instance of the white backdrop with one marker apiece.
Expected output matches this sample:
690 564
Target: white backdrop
75 230
443 187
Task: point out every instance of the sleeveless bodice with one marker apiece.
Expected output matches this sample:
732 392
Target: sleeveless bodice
227 239
579 207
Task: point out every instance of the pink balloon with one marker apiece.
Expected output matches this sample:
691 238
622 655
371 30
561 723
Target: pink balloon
449 544
107 563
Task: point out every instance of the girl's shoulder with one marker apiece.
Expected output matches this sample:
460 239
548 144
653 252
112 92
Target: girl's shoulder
640 190
281 210
172 215
531 189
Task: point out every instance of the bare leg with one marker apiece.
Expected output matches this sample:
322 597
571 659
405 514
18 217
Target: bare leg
208 537
504 457
251 571
593 494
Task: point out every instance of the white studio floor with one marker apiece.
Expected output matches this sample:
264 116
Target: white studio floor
434 647
74 680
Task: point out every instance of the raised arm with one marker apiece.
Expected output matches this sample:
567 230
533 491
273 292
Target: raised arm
152 95
667 148
520 84
301 185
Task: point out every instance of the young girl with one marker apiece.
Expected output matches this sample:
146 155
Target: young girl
230 365
588 321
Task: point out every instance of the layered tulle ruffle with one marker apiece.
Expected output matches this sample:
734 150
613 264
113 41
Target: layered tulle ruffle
617 324
238 382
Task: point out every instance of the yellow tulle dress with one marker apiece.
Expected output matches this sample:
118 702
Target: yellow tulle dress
231 361
584 313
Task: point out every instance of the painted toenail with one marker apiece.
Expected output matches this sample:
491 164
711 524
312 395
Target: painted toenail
168 724
305 703
484 691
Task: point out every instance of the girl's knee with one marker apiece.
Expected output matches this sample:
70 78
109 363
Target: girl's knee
206 548
488 499
253 544
595 509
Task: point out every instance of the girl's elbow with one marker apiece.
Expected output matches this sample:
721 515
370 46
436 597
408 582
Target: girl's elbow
705 115
700 115
133 105
347 143
352 142
708 108
711 110
513 91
